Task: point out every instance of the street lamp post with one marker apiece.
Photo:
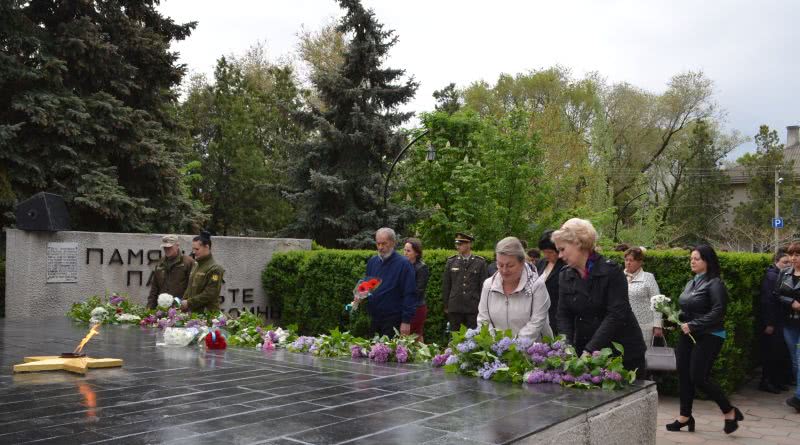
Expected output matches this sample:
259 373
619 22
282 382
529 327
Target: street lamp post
430 156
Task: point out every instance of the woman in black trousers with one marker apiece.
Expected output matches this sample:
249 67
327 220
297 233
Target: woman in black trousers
702 312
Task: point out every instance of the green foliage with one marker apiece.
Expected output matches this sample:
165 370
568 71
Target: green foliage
312 288
752 217
339 173
86 111
239 128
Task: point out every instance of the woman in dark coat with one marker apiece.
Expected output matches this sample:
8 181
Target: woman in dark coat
593 306
549 267
412 249
775 362
702 304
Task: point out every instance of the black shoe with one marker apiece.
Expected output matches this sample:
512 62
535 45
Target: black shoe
733 424
769 387
794 402
677 425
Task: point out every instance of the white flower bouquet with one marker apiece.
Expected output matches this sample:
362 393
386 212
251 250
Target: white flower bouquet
661 303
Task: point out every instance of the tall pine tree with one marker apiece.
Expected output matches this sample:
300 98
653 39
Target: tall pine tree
87 110
340 172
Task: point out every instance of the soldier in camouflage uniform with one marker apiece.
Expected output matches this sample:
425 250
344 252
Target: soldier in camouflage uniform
205 281
171 274
461 284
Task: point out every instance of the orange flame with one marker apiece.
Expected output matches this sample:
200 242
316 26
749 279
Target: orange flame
92 332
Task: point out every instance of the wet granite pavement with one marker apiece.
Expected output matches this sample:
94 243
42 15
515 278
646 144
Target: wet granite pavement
242 396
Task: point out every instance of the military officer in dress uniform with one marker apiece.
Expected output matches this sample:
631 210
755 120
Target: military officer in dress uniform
461 284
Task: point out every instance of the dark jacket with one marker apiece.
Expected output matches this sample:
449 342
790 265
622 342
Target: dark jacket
702 304
422 274
552 288
397 294
594 312
787 292
771 312
462 282
205 285
170 276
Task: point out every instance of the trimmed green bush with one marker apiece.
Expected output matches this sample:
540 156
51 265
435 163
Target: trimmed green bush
311 288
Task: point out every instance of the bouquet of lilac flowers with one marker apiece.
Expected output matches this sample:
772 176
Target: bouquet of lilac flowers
482 353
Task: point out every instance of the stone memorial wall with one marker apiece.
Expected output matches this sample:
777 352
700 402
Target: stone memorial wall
48 271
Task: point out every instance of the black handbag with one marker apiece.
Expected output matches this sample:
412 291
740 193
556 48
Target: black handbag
660 358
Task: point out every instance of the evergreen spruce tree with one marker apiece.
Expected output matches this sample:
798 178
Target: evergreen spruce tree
87 110
340 172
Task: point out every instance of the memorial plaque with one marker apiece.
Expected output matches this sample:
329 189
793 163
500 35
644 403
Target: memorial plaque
62 262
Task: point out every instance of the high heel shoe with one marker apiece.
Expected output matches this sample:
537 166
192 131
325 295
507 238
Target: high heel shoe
732 425
677 425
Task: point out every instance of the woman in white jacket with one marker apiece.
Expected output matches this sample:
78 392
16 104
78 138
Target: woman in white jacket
513 298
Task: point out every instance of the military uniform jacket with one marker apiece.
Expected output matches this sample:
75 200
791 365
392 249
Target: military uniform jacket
205 285
170 276
462 283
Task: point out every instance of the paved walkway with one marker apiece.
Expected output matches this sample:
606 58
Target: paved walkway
767 420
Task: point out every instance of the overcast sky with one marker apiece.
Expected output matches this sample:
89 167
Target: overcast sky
748 48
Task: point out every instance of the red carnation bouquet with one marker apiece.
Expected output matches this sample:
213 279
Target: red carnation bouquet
215 340
364 288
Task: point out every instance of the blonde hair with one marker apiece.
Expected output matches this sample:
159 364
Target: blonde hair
577 231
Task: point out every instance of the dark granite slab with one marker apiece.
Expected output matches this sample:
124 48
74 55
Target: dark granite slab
245 396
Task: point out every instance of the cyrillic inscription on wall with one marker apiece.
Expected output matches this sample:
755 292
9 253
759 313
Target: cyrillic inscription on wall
62 262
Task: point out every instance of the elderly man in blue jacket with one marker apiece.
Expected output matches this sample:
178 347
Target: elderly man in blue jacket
393 303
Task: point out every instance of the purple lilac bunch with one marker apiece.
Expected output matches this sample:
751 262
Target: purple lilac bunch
172 312
220 322
440 359
401 354
116 300
149 320
489 369
302 344
466 346
194 323
502 345
379 352
472 332
542 376
356 351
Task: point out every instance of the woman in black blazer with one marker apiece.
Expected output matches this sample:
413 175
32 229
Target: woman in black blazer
549 267
593 306
702 306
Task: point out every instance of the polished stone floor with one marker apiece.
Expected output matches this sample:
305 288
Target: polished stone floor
241 396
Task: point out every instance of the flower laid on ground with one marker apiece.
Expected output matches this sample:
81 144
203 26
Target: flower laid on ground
114 306
380 353
661 303
180 336
497 356
115 300
301 344
128 318
99 314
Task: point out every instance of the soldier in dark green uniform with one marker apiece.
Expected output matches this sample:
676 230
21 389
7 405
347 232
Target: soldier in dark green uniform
461 284
205 281
171 274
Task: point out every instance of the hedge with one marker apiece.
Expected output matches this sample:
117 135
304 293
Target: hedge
310 288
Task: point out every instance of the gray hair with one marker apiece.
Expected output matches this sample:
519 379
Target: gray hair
388 232
510 246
